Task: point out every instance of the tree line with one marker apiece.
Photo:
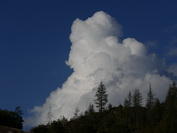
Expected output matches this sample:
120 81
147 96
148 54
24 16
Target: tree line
131 117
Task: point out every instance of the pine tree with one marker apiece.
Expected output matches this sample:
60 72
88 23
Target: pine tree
137 98
138 112
49 116
150 99
19 111
172 94
128 100
157 112
19 119
90 110
76 113
170 112
110 106
150 103
101 97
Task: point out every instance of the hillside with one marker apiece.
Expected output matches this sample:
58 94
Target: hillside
4 129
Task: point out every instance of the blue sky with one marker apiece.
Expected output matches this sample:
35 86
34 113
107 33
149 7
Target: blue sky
34 41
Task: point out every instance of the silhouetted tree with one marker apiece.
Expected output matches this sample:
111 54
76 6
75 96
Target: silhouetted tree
56 127
101 97
137 98
90 110
169 122
132 118
49 115
40 129
157 112
63 120
12 119
150 99
150 103
19 111
76 113
128 100
110 106
172 94
19 120
138 110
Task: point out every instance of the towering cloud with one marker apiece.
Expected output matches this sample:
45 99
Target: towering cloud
97 54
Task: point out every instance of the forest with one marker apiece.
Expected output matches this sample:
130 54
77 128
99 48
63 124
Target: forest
131 117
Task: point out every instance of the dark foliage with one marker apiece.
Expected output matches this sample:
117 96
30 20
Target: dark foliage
53 127
156 117
128 100
12 119
40 129
101 97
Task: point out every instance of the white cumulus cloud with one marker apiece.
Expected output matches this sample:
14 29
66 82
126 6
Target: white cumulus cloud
97 54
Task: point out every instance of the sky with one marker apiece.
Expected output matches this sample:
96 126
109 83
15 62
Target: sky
55 53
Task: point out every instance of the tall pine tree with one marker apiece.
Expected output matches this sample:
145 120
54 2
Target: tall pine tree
137 98
101 97
170 112
150 103
150 99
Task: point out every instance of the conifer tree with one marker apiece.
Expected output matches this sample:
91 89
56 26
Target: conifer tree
18 116
150 104
137 98
172 94
138 112
49 115
110 106
128 100
150 99
76 113
19 111
170 112
101 97
90 109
